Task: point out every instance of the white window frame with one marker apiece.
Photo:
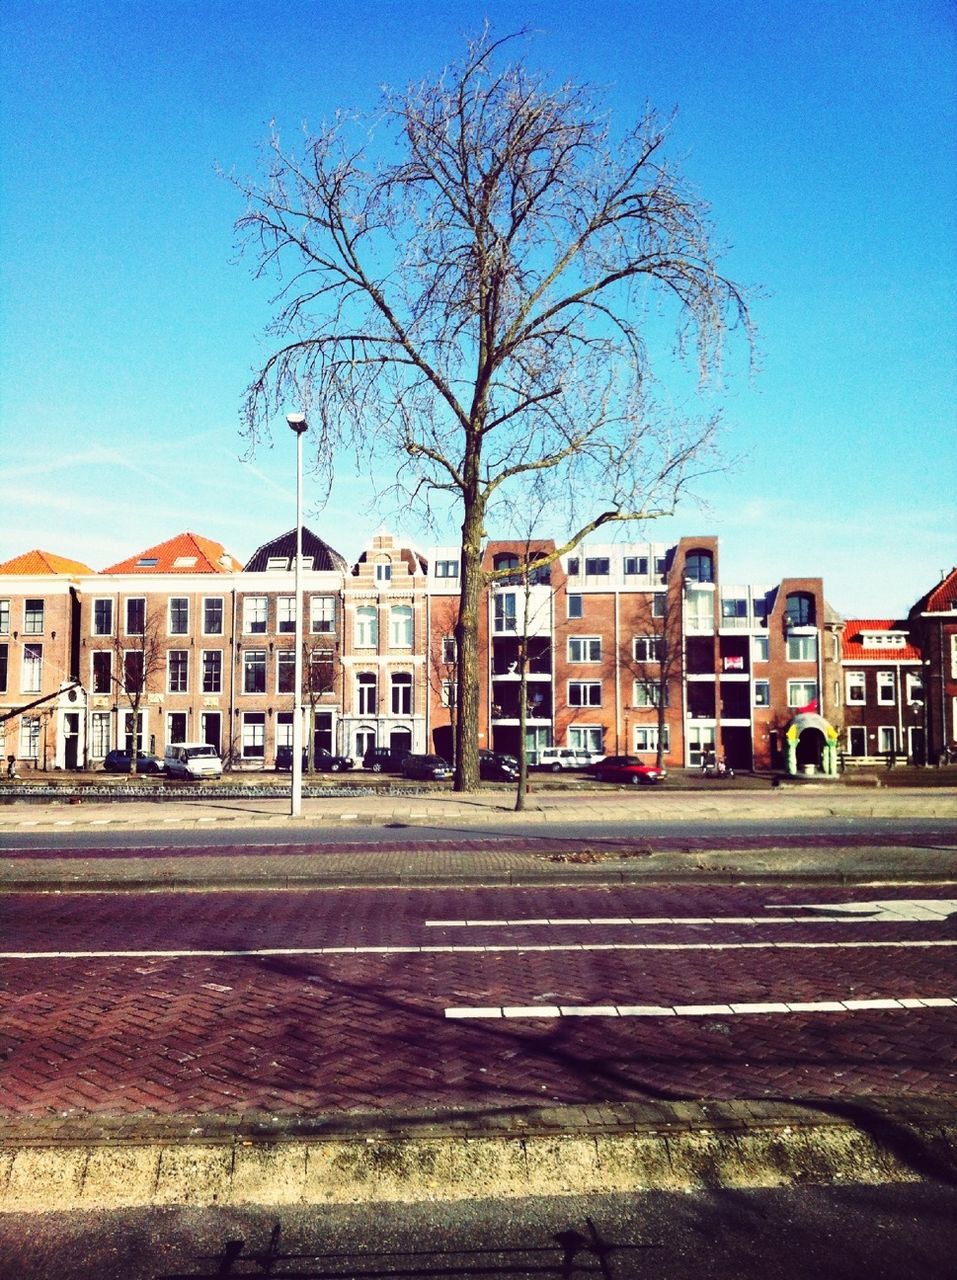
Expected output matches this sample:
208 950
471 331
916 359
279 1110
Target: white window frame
31 668
213 600
322 615
799 700
447 693
401 693
97 602
759 687
586 737
367 693
210 669
286 664
887 739
449 651
255 615
285 615
646 648
101 730
802 647
183 600
583 693
34 620
886 685
446 568
255 660
647 695
4 617
253 739
575 604
182 664
505 614
914 682
401 626
101 653
29 739
646 739
760 649
366 627
128 602
383 572
855 688
584 649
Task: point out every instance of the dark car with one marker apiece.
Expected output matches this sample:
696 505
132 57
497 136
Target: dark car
122 762
626 769
431 767
384 759
495 766
326 762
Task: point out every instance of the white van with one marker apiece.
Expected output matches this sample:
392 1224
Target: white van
192 760
555 759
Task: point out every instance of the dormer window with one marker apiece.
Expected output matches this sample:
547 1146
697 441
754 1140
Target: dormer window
147 562
883 639
277 562
184 562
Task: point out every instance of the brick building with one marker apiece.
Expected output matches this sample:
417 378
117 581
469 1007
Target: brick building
933 624
883 693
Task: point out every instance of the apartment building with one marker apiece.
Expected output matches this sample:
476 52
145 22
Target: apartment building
42 701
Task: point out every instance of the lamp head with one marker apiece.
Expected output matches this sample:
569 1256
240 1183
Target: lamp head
297 422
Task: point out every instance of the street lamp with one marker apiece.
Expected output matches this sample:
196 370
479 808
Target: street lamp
297 424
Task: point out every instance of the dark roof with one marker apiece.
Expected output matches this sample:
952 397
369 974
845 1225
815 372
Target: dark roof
284 547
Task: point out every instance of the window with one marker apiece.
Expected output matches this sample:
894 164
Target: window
854 682
661 565
254 735
99 734
383 573
802 648
584 649
286 671
575 609
321 671
658 605
857 740
176 727
284 729
647 648
636 566
212 671
102 617
446 568
322 615
367 626
255 614
505 611
597 567
3 667
505 560
133 671
286 615
179 616
447 693
32 672
732 609
647 695
400 626
402 694
586 737
646 738
762 693
33 618
915 688
449 650
29 737
700 744
802 694
135 616
699 566
799 609
760 651
213 616
277 562
886 739
366 694
177 665
132 731
584 693
254 671
885 688
574 566
4 617
102 671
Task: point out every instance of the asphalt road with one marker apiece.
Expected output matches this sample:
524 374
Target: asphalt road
851 1233
371 1000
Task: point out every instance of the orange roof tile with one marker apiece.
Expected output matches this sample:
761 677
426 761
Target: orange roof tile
853 643
43 562
186 553
940 599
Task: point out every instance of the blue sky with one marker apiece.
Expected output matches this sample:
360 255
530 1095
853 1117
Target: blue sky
822 134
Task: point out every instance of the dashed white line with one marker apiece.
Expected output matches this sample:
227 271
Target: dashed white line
696 1010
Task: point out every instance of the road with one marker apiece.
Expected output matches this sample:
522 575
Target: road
850 1233
371 999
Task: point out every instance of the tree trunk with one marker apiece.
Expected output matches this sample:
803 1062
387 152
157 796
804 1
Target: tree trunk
466 637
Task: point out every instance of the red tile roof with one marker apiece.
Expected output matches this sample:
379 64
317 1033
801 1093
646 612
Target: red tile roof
44 562
941 599
186 553
853 644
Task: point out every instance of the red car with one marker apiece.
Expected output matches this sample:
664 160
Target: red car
626 769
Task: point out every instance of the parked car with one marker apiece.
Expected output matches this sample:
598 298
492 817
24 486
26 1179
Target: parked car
554 759
192 761
495 766
432 767
384 759
626 769
588 758
325 761
121 762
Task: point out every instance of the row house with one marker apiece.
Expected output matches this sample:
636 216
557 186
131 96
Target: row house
42 701
883 692
933 625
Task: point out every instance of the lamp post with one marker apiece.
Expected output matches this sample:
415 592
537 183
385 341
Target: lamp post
298 424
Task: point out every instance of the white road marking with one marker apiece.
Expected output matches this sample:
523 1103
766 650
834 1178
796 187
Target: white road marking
216 953
889 911
696 1010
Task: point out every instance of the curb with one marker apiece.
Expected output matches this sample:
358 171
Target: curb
620 1148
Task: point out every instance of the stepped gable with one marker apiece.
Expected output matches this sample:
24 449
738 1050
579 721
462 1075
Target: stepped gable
854 649
323 556
186 553
36 562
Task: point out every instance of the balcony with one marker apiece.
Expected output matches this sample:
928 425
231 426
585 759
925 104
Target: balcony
505 660
506 705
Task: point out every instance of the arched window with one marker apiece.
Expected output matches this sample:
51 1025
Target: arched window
799 609
699 566
402 694
366 694
505 560
400 626
367 627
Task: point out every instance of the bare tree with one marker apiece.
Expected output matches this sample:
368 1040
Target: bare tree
652 658
318 679
138 658
478 306
443 660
